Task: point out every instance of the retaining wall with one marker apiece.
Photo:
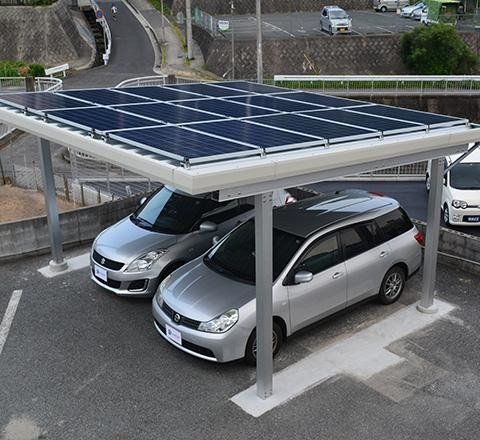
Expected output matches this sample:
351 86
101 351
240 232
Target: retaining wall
45 35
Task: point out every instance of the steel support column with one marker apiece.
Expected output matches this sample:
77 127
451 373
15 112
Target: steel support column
264 301
426 304
258 12
57 263
188 13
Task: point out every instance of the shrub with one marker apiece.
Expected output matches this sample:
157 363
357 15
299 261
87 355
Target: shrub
19 68
437 50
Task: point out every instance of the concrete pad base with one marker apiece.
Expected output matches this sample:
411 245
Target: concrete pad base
69 265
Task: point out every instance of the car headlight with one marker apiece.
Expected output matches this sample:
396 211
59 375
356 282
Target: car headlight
459 204
221 323
146 261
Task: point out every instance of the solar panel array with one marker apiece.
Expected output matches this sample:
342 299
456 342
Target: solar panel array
203 122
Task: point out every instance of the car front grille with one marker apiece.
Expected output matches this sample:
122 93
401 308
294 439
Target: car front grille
110 283
190 346
105 262
187 322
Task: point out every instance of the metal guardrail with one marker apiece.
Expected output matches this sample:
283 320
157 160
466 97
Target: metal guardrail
106 30
158 80
386 85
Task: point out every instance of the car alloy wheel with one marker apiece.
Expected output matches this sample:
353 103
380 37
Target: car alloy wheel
446 214
392 285
251 348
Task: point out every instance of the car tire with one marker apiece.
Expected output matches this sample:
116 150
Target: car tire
383 9
330 31
251 347
446 214
392 285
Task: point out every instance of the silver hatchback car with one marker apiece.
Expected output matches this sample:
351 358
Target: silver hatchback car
168 229
335 20
329 252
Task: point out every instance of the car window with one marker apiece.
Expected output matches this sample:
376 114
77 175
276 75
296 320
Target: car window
226 210
394 223
323 254
359 238
465 176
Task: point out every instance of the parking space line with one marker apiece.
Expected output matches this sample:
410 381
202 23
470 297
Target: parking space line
75 263
8 317
361 355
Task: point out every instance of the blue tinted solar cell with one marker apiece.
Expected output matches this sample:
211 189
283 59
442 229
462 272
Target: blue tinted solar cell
231 109
208 90
169 113
251 87
253 134
101 118
324 100
160 93
407 115
271 102
314 127
362 120
182 143
104 96
41 101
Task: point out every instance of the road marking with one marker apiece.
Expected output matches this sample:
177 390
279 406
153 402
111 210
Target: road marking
361 355
8 317
273 27
75 263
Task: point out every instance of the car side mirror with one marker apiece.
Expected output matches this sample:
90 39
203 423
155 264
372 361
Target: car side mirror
207 227
303 276
142 200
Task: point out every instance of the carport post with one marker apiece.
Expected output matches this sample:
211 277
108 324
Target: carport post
57 263
426 304
264 300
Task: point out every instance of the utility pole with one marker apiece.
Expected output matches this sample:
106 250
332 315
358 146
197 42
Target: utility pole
259 42
232 9
163 22
188 7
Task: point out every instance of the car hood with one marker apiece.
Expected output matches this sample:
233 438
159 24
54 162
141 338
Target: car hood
199 293
124 241
472 197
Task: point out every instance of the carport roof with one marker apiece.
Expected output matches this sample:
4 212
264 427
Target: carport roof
237 137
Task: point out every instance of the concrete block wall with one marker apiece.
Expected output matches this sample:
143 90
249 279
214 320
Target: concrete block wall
46 35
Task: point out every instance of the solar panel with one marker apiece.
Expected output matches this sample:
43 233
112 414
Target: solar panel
226 108
208 90
323 100
104 96
264 137
364 120
160 93
100 119
169 113
183 144
409 115
271 102
315 127
252 87
40 101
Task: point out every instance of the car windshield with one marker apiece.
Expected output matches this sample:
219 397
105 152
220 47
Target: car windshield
465 176
338 14
170 212
235 257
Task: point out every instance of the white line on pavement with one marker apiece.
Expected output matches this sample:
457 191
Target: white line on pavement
8 317
361 355
74 263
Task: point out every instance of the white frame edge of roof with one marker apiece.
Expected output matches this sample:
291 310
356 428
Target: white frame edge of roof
254 175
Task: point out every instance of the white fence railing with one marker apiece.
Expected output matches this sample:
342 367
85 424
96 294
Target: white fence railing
389 85
157 80
106 30
18 84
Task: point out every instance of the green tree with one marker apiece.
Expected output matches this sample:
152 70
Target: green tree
437 50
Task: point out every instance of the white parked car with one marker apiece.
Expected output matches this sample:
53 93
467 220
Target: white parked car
407 11
335 20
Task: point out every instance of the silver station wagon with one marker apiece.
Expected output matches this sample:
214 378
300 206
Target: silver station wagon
329 252
168 229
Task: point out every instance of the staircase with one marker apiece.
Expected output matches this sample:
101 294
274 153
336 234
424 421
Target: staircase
97 32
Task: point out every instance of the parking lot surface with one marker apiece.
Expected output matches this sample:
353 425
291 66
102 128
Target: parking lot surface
79 363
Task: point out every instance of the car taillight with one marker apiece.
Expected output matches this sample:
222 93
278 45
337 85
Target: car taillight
376 193
420 238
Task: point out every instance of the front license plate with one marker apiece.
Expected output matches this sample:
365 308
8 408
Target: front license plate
173 334
342 29
101 273
472 218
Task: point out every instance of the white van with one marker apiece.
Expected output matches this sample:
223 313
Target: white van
461 190
389 5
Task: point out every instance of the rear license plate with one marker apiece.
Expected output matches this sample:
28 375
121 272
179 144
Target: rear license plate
101 273
472 218
173 334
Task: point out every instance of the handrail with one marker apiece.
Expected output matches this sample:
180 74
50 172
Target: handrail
371 85
144 81
106 31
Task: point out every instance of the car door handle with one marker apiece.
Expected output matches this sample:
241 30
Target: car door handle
337 275
383 254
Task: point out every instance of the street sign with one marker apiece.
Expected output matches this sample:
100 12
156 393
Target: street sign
223 25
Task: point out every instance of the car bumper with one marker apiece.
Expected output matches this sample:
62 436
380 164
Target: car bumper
341 30
140 285
216 347
465 217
